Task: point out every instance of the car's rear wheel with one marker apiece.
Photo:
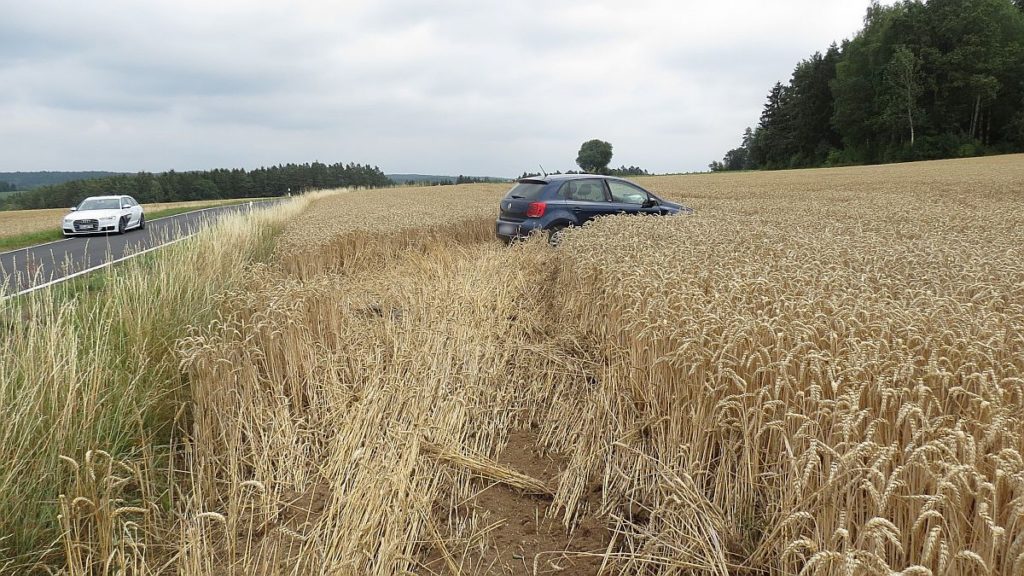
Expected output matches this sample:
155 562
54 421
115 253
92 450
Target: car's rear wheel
555 234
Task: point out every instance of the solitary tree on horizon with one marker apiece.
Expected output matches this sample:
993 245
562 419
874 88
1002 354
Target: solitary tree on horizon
594 156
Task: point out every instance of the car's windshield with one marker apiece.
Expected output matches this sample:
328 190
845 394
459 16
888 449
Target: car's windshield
526 190
100 204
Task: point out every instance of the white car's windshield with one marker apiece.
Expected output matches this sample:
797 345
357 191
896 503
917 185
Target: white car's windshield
100 204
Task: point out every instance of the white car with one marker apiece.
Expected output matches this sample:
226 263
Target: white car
104 214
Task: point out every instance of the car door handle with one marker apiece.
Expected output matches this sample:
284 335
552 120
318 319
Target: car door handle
577 209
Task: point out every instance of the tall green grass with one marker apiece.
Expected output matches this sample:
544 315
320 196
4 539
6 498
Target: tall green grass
91 375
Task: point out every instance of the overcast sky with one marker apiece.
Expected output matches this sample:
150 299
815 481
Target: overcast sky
449 87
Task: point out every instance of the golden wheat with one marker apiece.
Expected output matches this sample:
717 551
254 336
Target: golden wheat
820 372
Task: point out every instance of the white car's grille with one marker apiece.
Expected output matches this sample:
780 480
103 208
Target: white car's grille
86 225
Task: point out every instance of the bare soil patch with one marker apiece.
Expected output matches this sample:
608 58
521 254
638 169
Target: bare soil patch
520 536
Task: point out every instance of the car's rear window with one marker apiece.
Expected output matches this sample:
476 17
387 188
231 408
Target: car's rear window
526 190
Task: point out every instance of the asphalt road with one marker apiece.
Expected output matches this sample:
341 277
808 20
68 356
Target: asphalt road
28 267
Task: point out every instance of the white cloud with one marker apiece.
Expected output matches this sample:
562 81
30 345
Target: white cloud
455 86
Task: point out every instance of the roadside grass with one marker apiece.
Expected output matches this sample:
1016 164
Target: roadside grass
29 239
174 211
91 285
90 388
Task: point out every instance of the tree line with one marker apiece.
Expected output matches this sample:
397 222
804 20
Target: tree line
7 187
30 180
622 171
203 185
921 80
475 180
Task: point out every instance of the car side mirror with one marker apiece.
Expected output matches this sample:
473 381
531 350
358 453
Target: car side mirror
73 208
650 203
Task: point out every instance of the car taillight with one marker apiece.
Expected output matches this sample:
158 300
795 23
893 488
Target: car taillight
536 209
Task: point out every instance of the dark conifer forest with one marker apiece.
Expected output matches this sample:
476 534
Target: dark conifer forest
921 80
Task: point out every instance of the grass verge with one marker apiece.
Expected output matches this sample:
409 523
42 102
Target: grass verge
90 388
28 239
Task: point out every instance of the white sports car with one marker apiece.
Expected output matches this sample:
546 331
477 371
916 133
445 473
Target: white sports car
104 214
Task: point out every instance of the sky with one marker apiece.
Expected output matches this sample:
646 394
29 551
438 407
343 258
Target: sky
474 87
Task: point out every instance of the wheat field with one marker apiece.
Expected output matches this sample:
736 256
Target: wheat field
819 372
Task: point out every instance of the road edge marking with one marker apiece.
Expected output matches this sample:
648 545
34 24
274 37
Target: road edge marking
136 228
95 268
112 262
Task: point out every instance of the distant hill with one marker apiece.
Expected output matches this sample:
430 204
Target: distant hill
30 180
436 179
420 179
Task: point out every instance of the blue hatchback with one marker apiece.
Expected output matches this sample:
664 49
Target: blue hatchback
552 203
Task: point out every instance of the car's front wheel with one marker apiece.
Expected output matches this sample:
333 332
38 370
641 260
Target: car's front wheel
122 224
142 222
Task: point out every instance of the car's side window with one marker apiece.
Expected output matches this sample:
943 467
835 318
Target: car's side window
566 191
583 191
626 193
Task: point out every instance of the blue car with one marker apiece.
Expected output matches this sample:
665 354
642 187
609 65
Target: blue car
552 203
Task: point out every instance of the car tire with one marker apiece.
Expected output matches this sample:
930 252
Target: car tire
555 234
142 222
122 224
